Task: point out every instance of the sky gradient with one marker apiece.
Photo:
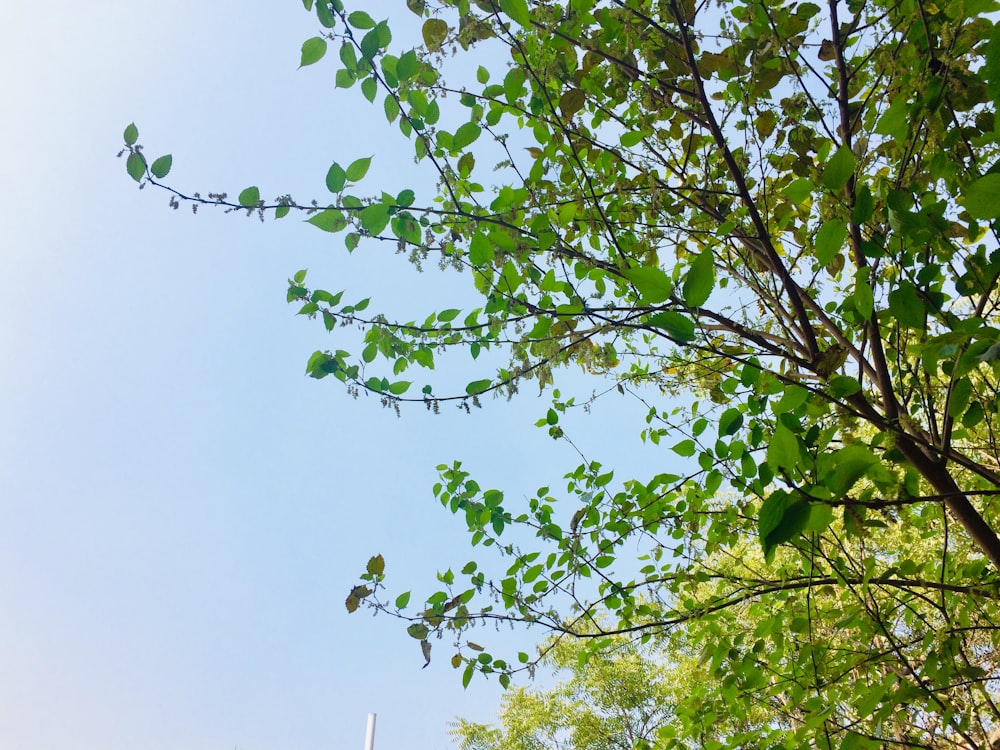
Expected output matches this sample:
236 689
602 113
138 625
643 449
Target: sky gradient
182 511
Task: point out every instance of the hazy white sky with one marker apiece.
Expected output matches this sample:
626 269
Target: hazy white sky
182 512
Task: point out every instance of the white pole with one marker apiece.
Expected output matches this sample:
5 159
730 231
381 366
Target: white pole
370 734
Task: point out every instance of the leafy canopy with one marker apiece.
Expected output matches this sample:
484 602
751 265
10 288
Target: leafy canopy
774 223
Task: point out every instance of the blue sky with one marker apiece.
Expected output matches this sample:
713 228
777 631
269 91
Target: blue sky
182 511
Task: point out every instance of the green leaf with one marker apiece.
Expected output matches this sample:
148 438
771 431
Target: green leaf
360 20
465 135
407 66
864 205
675 325
571 102
960 395
843 385
730 421
798 190
631 138
480 250
131 134
482 74
344 79
316 366
847 466
376 565
895 121
839 169
510 278
700 280
906 306
135 165
653 285
358 169
434 32
369 88
478 386
330 220
407 228
312 51
324 15
391 107
250 197
349 57
370 45
374 218
518 10
399 387
982 198
830 240
384 33
975 414
771 512
567 212
418 630
685 448
864 298
792 398
336 178
299 276
781 519
161 166
402 600
765 123
820 518
783 450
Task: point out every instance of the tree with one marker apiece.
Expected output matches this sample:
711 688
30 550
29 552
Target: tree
774 224
616 700
698 686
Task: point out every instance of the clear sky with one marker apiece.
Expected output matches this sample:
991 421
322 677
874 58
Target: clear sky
182 511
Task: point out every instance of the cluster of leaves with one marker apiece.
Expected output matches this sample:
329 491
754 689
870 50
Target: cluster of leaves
745 678
616 699
773 223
